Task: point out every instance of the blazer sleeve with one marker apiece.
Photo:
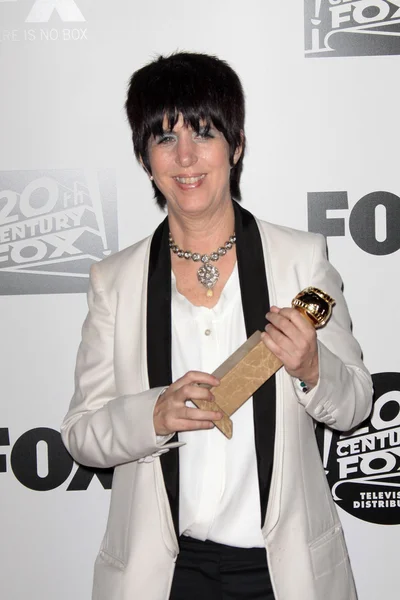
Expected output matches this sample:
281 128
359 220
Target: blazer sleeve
342 398
102 429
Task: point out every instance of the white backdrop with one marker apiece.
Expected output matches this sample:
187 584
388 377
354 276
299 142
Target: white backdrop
70 193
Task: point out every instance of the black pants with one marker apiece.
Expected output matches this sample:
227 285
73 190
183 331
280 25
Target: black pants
210 571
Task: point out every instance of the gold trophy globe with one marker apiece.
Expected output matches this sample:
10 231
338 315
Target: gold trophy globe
315 305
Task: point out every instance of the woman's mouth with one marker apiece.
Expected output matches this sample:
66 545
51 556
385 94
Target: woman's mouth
192 181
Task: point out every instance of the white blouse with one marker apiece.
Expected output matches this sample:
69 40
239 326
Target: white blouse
219 493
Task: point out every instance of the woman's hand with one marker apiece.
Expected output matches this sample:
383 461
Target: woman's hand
294 341
171 413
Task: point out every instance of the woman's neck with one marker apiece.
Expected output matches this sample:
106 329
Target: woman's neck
203 233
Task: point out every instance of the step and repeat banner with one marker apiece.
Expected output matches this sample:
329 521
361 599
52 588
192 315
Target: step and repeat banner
322 88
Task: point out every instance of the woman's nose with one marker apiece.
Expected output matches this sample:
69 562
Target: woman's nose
186 151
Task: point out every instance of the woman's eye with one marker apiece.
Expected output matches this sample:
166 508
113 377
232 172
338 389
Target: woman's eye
205 134
165 139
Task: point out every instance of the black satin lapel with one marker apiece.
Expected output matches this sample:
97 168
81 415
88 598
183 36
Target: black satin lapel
159 347
255 302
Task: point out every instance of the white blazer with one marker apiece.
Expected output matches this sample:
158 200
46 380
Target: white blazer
110 424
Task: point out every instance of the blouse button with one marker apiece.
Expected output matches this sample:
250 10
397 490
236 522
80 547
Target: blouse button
207 332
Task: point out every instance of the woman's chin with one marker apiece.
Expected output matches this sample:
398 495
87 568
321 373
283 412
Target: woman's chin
194 203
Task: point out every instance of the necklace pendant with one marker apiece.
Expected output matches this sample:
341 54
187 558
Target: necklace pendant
208 276
209 293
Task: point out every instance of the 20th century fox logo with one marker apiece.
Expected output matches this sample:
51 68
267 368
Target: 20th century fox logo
53 226
351 27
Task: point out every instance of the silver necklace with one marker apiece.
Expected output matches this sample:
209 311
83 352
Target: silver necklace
208 274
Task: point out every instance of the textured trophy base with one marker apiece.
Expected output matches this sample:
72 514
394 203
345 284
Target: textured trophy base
240 376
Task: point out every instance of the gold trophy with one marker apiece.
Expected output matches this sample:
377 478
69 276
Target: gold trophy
252 363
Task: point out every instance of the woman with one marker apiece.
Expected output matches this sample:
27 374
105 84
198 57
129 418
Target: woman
251 517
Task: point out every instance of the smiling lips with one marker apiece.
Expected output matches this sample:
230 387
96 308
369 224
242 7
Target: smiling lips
189 182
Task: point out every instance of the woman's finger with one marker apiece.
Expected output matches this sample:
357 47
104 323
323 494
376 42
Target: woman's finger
194 392
282 323
299 321
192 378
190 425
196 414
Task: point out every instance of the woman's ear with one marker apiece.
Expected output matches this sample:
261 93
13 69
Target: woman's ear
239 149
149 175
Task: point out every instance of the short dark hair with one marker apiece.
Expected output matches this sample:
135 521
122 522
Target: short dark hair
203 89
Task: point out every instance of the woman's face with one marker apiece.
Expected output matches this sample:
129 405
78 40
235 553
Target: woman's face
191 170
